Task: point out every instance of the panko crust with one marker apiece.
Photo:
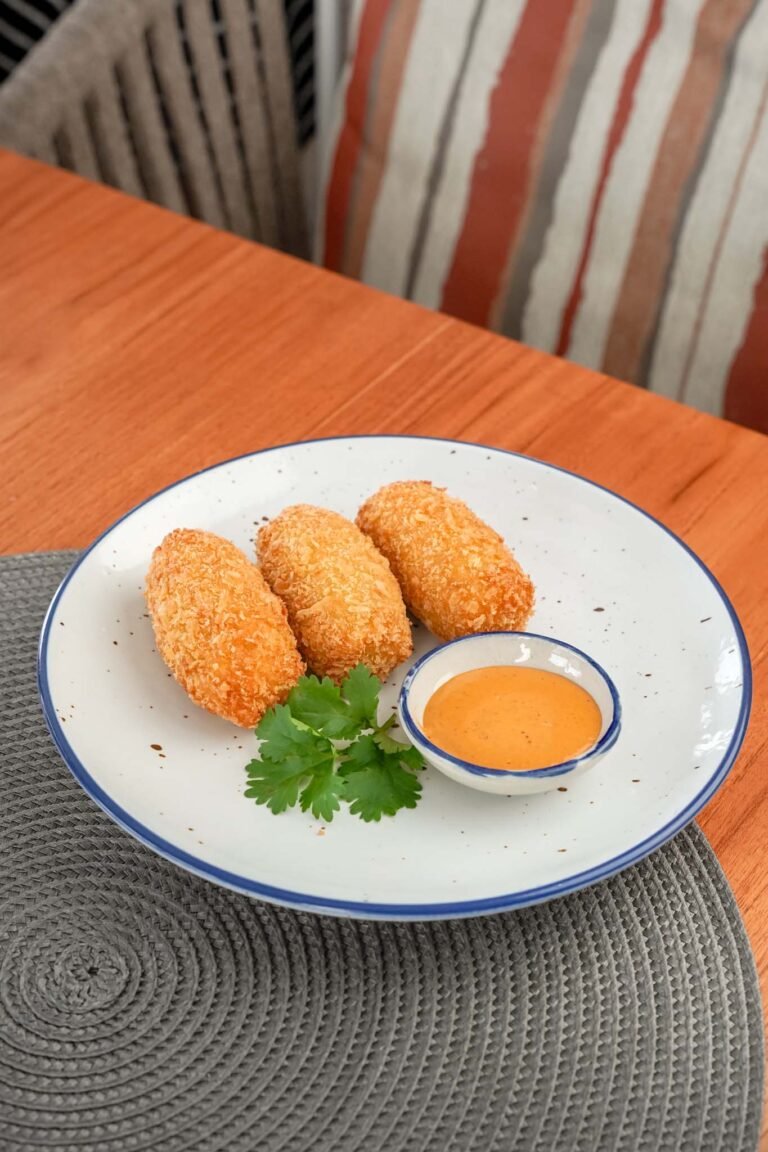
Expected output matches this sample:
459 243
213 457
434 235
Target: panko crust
343 602
456 573
223 634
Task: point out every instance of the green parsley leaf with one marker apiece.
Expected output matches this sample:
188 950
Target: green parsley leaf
300 763
323 793
407 753
361 754
276 785
377 784
318 704
411 757
386 742
360 689
281 737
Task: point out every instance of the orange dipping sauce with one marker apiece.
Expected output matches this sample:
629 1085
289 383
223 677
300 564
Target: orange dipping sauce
512 718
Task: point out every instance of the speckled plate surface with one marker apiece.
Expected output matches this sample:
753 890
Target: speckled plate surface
609 579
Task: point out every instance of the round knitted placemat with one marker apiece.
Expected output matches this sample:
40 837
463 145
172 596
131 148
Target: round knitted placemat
142 1008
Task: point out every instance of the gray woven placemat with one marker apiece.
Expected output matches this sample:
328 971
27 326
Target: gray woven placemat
142 1008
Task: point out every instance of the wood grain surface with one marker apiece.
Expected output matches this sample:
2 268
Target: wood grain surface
138 346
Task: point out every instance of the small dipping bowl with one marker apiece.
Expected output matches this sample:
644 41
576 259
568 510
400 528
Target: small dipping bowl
521 649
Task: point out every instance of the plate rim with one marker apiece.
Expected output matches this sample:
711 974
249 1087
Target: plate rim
358 908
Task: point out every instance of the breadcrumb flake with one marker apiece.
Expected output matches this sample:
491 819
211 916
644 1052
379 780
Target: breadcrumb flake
221 631
343 602
456 573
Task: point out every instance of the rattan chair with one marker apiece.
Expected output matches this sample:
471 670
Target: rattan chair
186 103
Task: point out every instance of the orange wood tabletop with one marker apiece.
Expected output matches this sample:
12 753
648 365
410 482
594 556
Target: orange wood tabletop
138 346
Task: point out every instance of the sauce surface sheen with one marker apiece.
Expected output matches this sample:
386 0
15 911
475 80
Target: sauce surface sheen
512 718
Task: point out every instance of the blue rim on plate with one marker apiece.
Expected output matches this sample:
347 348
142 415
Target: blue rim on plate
606 741
358 908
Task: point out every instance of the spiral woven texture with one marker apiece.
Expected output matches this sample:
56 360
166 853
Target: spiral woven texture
142 1008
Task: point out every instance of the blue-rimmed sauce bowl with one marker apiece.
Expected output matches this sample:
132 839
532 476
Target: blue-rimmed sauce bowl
521 649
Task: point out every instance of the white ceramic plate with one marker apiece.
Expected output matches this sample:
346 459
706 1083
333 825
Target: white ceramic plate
609 579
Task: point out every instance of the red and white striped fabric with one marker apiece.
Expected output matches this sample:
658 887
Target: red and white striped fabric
588 176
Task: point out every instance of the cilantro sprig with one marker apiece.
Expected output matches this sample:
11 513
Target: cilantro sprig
325 747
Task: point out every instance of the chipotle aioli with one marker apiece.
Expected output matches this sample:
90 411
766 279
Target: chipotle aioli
512 718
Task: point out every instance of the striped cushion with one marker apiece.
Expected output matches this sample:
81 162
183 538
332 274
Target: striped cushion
589 176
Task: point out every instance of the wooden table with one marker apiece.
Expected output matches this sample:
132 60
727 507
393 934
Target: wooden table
138 346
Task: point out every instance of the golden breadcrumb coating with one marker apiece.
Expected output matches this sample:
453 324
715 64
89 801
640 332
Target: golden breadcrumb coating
222 633
456 574
343 602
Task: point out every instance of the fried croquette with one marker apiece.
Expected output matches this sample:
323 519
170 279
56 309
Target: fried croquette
456 573
343 602
221 631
